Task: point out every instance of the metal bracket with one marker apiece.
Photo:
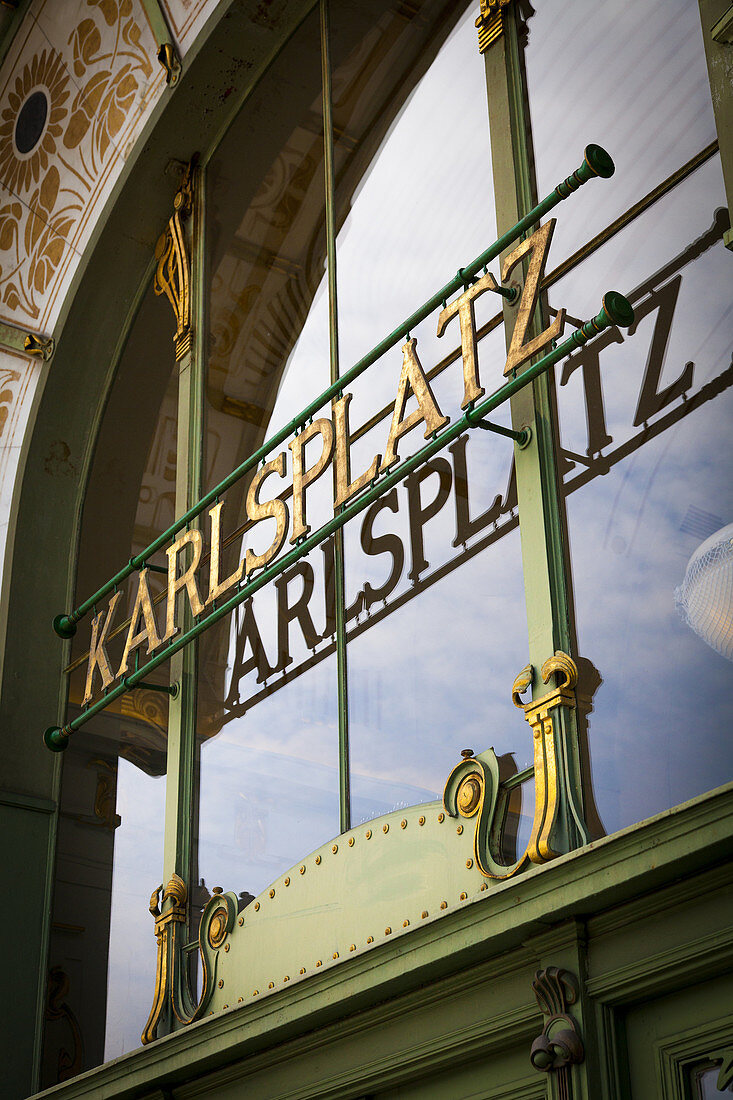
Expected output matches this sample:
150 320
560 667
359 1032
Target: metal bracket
168 55
19 339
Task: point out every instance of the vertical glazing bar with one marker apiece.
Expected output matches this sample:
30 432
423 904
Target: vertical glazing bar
340 595
181 796
546 565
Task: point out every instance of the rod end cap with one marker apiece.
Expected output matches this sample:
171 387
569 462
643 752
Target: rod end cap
55 739
64 626
599 161
619 309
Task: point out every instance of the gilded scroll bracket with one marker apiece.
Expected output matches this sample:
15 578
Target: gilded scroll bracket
474 787
173 997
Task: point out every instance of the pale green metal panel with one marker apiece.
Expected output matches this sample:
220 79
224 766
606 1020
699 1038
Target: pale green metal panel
380 880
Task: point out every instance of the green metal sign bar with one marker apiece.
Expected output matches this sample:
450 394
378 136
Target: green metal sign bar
596 163
616 310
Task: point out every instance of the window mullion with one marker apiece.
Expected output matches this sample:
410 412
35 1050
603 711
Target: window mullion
543 528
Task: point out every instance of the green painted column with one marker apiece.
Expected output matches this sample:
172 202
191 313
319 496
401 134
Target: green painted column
181 809
542 519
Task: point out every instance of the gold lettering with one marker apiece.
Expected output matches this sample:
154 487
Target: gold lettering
97 653
345 488
412 375
277 509
186 580
303 478
464 307
149 633
538 244
217 588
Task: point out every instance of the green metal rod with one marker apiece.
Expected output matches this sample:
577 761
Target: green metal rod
521 437
596 162
616 310
342 681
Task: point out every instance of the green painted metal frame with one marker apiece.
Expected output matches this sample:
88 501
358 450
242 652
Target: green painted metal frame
616 310
342 681
542 520
596 162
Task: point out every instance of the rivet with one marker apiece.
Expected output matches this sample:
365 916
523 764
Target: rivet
421 821
385 828
403 823
469 863
370 939
227 946
319 963
220 983
464 895
424 914
388 931
335 848
484 886
369 834
302 970
270 985
441 818
257 906
302 869
444 905
218 890
272 893
225 1006
351 842
405 924
335 954
286 978
352 947
318 860
240 922
287 880
239 1000
459 830
256 993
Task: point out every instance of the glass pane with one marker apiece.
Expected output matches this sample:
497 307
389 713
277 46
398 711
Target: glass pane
267 679
110 841
645 421
432 675
638 87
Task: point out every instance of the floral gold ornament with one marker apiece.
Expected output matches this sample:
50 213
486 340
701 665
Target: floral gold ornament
56 152
490 22
27 148
172 273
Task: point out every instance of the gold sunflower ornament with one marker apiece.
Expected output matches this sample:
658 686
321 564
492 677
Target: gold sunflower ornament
32 120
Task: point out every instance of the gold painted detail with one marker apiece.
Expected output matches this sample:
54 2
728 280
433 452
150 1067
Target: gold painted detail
474 789
490 23
173 273
169 908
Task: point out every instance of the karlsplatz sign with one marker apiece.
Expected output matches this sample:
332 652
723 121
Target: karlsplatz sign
184 576
209 595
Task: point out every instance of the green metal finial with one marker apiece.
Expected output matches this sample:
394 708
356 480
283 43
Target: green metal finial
618 309
55 738
64 626
599 161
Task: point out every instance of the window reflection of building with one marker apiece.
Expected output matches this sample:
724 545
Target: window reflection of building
641 416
